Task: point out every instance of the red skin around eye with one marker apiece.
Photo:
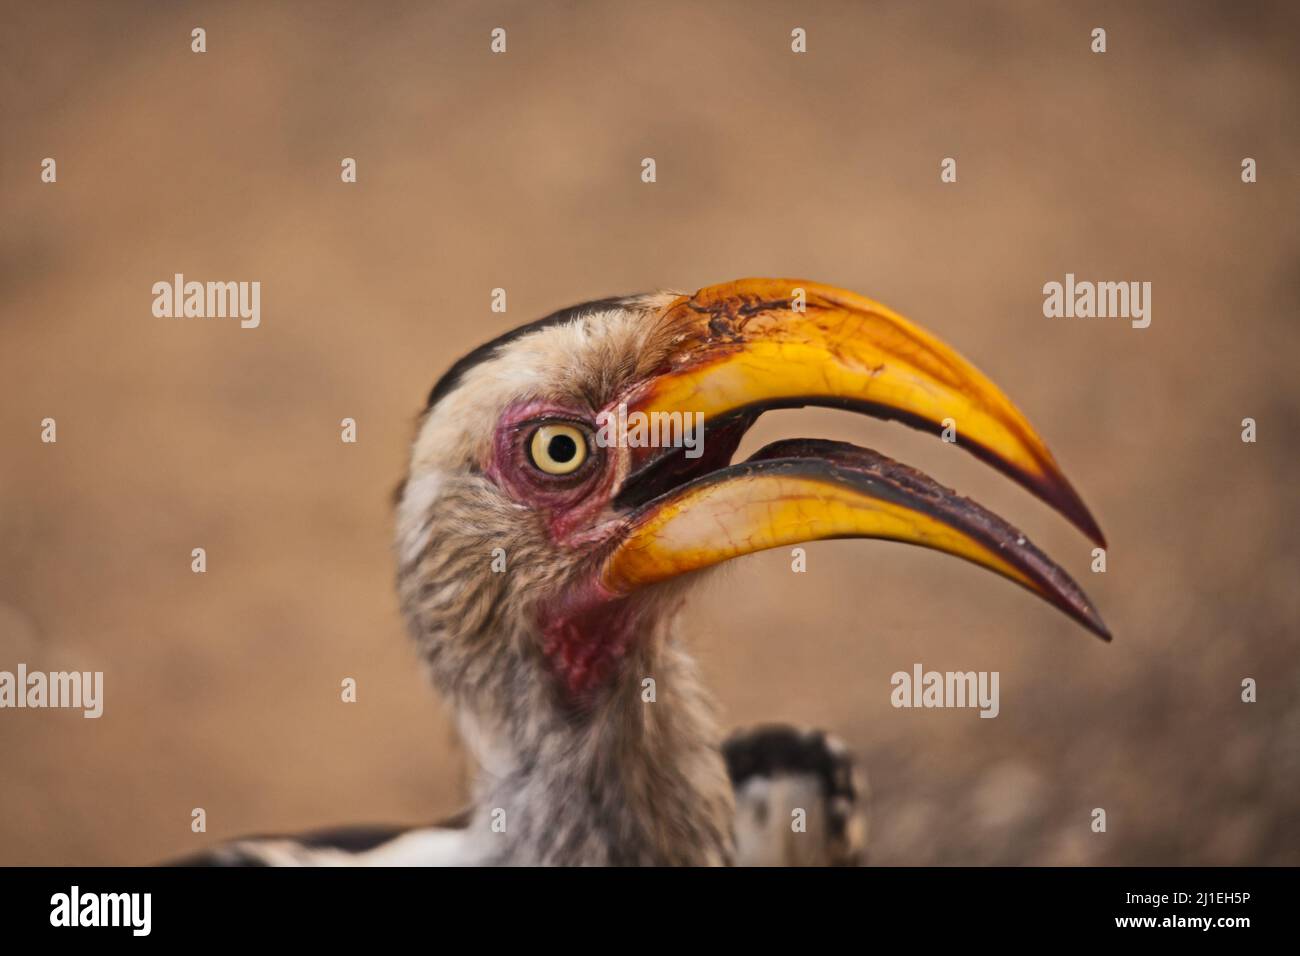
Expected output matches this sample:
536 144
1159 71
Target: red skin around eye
585 632
571 505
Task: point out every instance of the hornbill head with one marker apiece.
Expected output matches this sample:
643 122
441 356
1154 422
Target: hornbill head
537 555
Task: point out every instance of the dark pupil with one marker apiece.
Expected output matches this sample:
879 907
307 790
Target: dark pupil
562 448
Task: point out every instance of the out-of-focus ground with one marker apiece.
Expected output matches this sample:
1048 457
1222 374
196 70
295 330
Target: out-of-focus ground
522 171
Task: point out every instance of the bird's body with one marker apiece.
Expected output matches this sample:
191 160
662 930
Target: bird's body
541 569
776 772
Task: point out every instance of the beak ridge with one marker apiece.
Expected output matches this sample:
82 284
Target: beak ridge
748 346
758 344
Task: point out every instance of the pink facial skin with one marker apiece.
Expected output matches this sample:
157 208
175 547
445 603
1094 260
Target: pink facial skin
585 630
584 636
572 503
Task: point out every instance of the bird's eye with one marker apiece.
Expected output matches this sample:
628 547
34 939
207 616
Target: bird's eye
558 449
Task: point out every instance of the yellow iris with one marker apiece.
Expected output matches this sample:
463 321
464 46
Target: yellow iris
558 449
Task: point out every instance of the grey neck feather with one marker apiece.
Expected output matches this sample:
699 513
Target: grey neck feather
622 780
617 780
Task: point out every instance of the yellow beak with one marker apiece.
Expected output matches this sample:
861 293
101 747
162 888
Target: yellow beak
756 344
747 346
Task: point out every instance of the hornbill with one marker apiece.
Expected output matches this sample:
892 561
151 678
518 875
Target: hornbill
542 566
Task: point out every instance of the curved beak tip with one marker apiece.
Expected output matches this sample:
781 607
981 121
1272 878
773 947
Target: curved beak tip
758 344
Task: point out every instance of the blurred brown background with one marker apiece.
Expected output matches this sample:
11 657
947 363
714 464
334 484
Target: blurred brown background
522 171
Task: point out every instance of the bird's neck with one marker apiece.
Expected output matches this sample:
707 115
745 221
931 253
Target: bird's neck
633 775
